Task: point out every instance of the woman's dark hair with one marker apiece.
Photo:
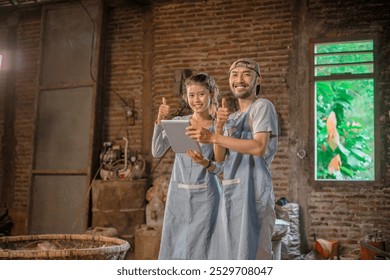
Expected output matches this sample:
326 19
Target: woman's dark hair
207 81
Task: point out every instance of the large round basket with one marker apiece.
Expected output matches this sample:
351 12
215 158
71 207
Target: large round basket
62 247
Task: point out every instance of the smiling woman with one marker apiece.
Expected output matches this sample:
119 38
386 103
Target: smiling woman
193 194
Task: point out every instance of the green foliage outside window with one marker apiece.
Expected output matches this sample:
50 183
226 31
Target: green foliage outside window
344 113
352 103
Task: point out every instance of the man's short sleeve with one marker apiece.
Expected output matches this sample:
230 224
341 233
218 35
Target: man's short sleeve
264 117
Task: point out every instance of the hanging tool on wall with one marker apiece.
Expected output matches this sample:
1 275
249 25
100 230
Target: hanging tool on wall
115 161
120 163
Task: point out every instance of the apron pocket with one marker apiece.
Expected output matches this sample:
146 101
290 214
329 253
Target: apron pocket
232 197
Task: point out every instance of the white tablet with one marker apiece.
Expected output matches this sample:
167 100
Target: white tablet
176 133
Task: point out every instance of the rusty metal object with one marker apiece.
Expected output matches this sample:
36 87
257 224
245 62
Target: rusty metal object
373 250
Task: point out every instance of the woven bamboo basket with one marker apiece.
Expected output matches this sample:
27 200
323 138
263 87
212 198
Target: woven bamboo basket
62 247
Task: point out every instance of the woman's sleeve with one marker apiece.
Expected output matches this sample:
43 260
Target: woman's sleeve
160 142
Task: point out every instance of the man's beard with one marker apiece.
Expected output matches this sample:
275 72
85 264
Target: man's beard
242 94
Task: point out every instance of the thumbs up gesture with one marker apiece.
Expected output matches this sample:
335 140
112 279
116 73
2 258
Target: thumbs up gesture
222 114
163 111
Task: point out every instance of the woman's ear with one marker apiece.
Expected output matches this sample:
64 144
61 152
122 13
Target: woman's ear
184 96
211 97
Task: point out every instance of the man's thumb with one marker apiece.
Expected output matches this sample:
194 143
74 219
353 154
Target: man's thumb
224 105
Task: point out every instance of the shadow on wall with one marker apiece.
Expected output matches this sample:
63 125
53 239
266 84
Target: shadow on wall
5 222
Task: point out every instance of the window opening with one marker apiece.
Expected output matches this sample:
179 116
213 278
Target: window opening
344 111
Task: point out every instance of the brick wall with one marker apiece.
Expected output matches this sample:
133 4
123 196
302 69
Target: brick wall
27 54
123 74
3 35
341 212
208 36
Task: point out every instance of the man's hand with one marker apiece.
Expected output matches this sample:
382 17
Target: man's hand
200 134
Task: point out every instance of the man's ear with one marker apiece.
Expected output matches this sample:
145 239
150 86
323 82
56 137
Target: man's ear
259 79
258 87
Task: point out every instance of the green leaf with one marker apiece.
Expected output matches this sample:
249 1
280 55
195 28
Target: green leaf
343 150
360 155
347 171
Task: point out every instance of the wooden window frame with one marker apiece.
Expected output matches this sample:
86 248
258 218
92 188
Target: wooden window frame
380 160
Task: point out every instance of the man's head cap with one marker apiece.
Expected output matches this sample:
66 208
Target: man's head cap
246 62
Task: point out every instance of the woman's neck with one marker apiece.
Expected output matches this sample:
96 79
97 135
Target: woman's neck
201 116
201 120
